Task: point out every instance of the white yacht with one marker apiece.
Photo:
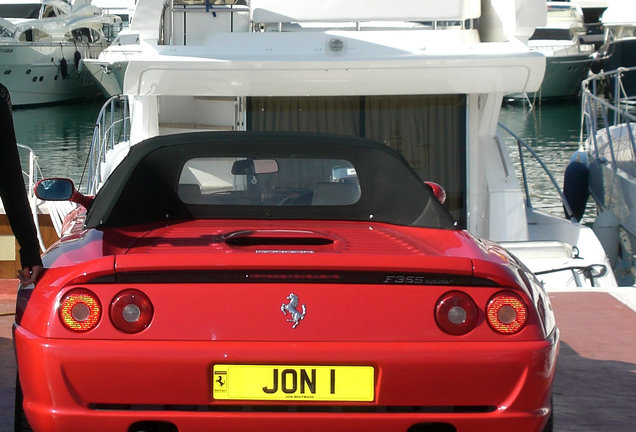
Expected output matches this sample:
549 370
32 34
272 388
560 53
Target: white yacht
43 44
427 78
124 9
605 166
567 58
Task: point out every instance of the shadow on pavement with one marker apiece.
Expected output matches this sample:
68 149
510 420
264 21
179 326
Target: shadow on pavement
7 383
593 395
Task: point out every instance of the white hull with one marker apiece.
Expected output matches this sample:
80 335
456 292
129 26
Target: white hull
613 185
563 76
33 73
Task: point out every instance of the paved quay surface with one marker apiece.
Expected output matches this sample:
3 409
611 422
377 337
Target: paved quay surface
595 387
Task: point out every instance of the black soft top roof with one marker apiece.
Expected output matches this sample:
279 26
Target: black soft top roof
143 187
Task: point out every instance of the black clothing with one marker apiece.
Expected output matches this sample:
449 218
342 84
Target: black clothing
12 191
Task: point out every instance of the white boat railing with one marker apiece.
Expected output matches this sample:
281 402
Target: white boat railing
605 103
521 145
112 127
32 176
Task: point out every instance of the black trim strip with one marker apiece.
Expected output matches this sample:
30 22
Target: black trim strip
354 409
292 276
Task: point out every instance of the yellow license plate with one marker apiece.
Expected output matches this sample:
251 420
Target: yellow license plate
293 383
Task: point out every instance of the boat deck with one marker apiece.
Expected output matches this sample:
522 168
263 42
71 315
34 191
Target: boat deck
596 374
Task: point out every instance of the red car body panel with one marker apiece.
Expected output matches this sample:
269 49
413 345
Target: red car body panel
415 363
508 382
219 287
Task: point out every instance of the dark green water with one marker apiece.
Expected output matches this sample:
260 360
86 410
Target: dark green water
553 131
60 135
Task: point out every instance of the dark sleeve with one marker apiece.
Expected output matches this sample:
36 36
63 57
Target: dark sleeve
12 191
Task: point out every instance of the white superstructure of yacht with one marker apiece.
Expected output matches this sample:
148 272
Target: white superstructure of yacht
425 77
43 44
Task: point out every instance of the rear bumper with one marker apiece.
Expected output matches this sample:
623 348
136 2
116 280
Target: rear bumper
71 385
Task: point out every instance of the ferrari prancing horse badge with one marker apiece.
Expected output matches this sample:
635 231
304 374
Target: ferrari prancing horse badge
291 308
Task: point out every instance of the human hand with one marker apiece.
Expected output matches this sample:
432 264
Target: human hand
29 275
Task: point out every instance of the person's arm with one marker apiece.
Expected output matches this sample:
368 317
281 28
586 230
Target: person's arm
13 194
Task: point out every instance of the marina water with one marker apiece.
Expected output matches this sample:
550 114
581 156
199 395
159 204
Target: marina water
60 135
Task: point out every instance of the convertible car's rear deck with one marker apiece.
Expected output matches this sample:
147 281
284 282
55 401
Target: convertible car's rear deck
593 389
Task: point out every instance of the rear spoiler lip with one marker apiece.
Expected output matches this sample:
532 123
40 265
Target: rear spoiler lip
294 276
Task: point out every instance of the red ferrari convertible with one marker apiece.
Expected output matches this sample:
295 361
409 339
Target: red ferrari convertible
266 282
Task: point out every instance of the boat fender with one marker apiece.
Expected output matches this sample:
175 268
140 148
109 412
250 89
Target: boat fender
63 68
78 60
606 228
576 187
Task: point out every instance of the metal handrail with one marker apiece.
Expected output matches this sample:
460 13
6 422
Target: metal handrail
600 111
521 144
112 127
32 176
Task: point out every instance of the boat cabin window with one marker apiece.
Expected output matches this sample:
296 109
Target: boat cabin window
619 32
551 34
5 32
203 2
50 12
26 11
429 131
33 35
85 35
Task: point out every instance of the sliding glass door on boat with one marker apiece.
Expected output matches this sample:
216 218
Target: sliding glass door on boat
430 131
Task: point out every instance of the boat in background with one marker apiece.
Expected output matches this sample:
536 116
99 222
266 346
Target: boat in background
619 43
567 58
592 9
427 78
43 44
605 166
124 9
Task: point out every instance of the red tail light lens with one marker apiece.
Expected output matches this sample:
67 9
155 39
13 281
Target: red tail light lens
80 310
456 313
506 313
131 311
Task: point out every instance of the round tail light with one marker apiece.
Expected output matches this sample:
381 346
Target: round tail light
506 313
131 311
80 310
456 313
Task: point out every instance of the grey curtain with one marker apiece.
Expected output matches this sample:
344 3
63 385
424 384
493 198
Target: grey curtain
430 131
